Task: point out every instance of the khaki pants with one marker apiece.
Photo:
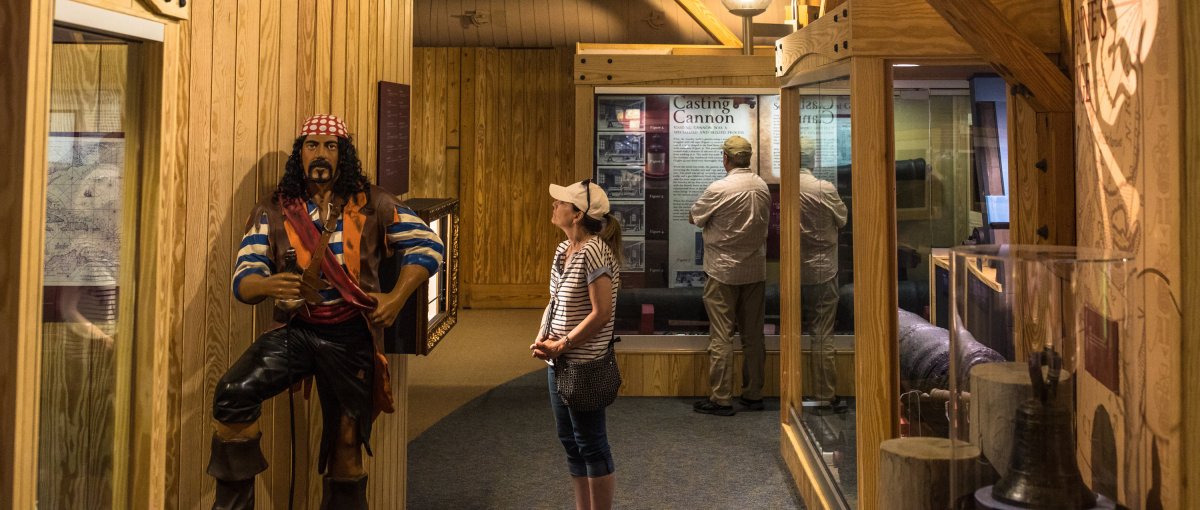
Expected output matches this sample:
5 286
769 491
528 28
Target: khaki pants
818 310
743 306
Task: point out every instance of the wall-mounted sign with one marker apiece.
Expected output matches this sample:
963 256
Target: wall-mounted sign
393 139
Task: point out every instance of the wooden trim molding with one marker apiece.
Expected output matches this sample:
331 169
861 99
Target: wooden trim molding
873 184
25 46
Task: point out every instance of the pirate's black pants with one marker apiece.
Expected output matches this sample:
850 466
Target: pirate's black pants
340 356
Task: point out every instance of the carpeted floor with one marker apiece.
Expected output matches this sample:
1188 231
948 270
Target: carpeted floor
500 451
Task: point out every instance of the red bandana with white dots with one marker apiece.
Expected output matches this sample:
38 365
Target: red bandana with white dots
324 125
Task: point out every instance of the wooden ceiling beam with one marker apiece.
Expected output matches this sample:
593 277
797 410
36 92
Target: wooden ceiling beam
1012 55
709 22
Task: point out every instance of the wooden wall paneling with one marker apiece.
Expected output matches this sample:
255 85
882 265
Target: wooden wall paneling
25 47
338 58
198 375
306 54
406 27
875 299
270 107
323 57
219 351
1190 17
452 123
466 180
75 72
243 183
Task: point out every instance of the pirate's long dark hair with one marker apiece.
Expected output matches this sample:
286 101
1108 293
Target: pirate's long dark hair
350 179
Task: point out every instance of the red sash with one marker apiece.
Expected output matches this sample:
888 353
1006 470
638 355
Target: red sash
355 300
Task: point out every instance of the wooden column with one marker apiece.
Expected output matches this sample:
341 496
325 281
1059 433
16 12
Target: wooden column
1189 18
873 183
1041 169
585 129
24 110
791 380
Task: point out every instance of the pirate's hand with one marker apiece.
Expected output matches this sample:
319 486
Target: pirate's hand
281 286
386 311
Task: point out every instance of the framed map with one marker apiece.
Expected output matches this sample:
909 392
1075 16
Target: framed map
83 210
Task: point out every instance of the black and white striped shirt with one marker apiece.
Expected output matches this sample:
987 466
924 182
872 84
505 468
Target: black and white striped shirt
569 301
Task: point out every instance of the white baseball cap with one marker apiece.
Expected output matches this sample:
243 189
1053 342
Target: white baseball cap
591 199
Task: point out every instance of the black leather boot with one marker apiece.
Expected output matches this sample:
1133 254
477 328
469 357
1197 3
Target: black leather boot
345 493
234 463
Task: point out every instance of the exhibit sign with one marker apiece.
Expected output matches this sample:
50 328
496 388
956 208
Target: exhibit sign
655 155
698 127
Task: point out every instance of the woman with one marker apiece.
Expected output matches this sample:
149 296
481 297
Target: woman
578 326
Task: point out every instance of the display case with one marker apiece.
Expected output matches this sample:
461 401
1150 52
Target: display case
432 310
920 156
1034 427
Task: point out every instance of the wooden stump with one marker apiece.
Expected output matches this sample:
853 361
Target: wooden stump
914 472
997 389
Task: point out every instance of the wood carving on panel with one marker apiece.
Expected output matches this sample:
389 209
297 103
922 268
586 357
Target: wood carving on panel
1128 83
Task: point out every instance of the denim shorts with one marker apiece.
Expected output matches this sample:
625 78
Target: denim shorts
584 436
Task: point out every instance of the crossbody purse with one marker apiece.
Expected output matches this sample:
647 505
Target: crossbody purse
585 385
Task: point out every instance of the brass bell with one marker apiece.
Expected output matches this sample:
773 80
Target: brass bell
1042 471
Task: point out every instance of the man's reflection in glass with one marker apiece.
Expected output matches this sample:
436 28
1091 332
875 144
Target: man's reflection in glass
822 213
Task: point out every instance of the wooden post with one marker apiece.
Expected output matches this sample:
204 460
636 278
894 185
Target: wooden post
915 472
24 110
873 183
1190 365
792 377
997 389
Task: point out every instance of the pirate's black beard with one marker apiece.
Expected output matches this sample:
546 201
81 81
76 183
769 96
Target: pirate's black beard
319 172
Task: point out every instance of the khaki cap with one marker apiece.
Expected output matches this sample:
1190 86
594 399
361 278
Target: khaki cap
735 145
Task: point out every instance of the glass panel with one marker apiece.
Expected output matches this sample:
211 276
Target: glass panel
934 148
655 154
827 280
89 278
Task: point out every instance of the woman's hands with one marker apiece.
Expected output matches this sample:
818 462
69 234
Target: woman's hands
547 348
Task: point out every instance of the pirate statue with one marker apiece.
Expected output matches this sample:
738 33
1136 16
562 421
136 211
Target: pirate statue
332 227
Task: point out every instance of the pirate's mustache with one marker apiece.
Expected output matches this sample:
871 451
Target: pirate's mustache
320 163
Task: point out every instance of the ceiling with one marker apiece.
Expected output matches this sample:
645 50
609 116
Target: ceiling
558 23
